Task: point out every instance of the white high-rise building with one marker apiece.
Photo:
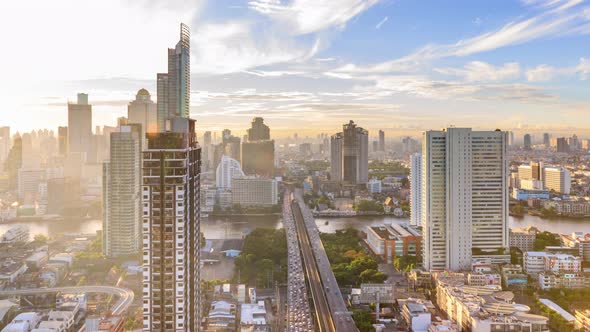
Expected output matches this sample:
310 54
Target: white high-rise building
416 189
80 126
464 197
122 193
227 170
558 179
143 111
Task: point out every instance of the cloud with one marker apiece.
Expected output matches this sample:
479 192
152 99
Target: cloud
478 71
220 48
540 73
544 73
427 88
569 19
309 16
378 26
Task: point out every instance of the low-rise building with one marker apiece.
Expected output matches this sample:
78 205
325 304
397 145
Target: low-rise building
105 324
549 280
582 322
222 316
513 275
16 234
443 326
483 279
253 317
569 207
525 194
389 241
523 239
415 314
536 262
374 186
484 309
25 321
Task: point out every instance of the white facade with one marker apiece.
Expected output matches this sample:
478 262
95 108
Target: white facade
122 193
558 179
374 186
416 189
536 262
253 191
15 234
464 196
143 111
227 170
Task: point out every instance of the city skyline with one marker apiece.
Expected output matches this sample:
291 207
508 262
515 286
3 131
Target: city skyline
298 70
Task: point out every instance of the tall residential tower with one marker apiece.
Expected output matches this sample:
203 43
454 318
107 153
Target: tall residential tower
464 197
171 229
122 193
416 189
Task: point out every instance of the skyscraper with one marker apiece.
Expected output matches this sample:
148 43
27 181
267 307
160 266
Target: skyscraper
14 161
381 140
174 87
227 170
231 145
562 145
527 141
5 144
336 157
464 197
143 111
546 140
258 131
171 229
62 141
258 153
121 185
80 127
416 189
349 155
355 154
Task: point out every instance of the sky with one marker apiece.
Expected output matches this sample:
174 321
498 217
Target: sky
307 66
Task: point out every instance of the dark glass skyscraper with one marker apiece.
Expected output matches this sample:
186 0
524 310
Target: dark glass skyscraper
174 87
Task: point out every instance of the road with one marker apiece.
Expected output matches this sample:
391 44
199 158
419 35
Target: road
323 315
125 295
340 317
298 313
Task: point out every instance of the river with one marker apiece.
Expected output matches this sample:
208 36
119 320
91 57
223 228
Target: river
239 226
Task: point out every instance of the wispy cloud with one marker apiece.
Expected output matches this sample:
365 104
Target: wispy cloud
221 48
385 19
544 73
309 16
478 71
569 18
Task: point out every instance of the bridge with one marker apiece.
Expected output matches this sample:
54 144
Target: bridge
125 296
330 311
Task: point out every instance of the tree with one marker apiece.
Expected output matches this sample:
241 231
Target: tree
363 320
203 240
40 239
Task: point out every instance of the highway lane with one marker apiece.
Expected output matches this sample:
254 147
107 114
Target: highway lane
125 295
340 315
298 313
323 314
